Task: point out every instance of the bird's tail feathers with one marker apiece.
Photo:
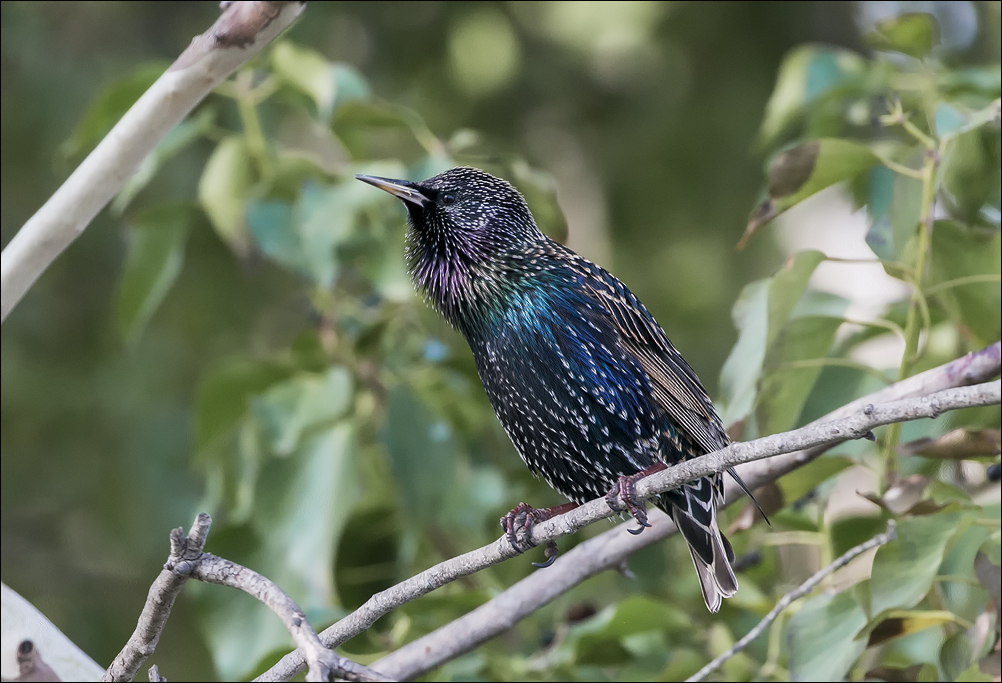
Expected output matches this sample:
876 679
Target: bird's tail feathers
712 556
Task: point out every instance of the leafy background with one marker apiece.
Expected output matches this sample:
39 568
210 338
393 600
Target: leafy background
236 332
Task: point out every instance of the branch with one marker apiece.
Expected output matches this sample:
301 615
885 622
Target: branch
243 29
159 601
23 623
595 555
784 602
186 561
613 547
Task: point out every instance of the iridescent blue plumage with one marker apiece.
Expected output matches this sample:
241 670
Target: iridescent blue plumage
586 384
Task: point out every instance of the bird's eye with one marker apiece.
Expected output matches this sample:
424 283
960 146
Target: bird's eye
448 198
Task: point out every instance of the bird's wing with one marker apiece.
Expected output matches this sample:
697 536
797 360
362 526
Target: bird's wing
674 383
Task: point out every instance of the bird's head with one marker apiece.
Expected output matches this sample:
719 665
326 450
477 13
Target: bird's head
467 228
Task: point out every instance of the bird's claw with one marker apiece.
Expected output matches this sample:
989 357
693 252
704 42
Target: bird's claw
520 517
524 517
638 530
622 497
550 553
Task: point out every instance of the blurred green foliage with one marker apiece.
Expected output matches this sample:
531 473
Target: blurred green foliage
237 332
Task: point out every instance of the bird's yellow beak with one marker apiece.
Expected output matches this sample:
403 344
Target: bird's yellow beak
402 189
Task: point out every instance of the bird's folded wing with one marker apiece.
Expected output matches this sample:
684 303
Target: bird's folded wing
675 385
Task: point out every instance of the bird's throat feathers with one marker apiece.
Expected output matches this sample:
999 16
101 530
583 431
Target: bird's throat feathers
473 280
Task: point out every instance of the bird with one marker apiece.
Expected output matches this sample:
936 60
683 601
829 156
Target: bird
584 381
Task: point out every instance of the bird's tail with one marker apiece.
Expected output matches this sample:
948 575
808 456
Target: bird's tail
694 509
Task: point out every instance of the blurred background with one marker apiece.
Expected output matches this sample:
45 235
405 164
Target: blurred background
643 118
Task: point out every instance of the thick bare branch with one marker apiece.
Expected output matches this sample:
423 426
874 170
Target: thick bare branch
798 592
241 31
22 622
187 560
611 548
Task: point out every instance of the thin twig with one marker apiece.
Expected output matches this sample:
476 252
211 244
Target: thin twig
159 601
323 664
609 549
187 560
242 30
802 590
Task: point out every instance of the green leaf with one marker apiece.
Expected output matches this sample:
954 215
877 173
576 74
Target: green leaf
109 106
786 386
806 74
879 192
913 33
919 649
812 166
302 520
684 662
956 655
971 174
388 272
631 630
309 72
903 570
801 171
289 410
896 623
803 480
821 638
357 122
973 674
639 613
304 236
422 456
225 187
351 84
961 252
183 134
740 372
303 503
155 254
271 225
224 394
906 207
849 531
948 119
979 83
760 314
964 599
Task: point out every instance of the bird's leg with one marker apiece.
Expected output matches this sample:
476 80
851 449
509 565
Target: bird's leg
625 490
526 517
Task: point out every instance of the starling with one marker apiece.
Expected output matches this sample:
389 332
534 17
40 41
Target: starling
585 382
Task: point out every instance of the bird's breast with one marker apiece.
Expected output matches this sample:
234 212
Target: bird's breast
577 407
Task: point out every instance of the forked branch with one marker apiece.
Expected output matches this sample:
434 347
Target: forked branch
187 560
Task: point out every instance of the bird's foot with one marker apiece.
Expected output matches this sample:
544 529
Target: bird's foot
622 497
524 517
